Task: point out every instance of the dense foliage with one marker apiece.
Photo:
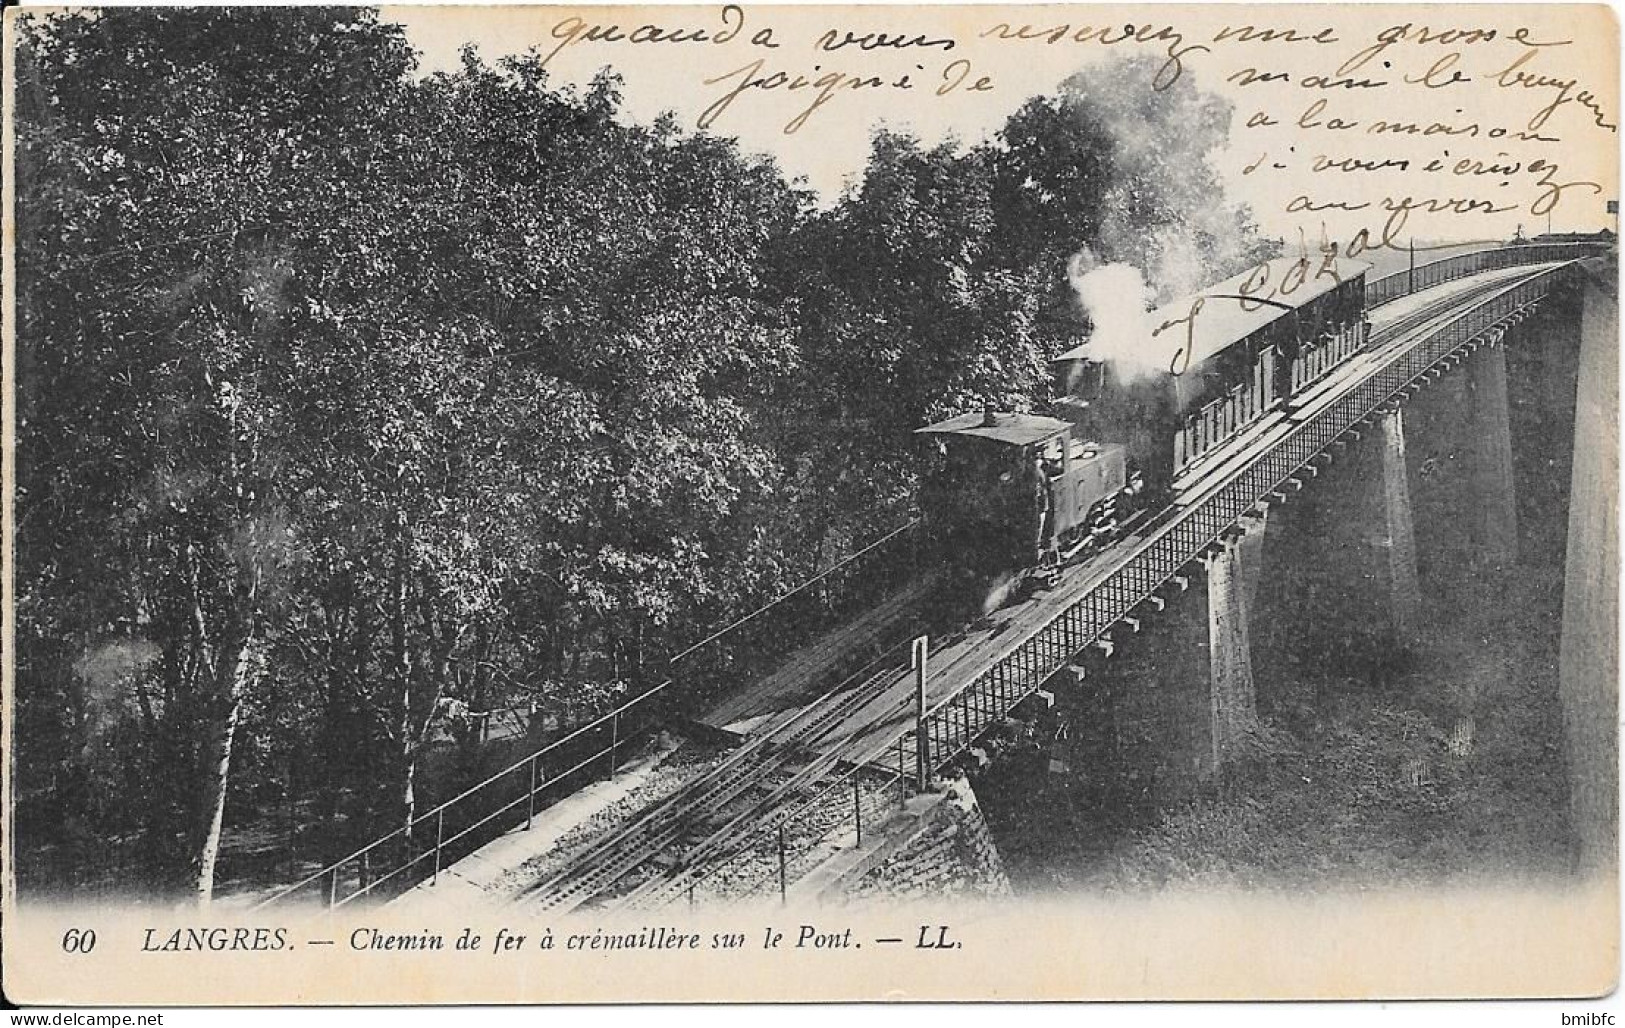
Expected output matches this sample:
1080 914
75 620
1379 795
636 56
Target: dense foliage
351 399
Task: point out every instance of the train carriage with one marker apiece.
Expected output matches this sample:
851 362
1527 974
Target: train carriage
1022 493
1213 364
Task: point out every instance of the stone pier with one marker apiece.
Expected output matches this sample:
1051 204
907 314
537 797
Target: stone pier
1496 517
1588 656
1343 591
1179 697
1233 700
1404 590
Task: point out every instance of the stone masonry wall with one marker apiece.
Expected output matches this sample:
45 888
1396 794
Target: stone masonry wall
949 853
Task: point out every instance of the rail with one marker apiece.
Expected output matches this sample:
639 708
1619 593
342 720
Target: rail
1448 269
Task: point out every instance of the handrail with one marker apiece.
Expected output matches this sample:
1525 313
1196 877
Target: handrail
1447 269
809 583
618 711
439 811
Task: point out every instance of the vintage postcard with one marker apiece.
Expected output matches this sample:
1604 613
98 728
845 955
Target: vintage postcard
551 504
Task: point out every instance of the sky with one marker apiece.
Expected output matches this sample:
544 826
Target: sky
1509 62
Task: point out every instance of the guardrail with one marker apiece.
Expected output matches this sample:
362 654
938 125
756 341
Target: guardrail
1424 276
480 813
954 723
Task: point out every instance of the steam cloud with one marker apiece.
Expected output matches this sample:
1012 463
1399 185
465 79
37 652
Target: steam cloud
1118 302
1164 210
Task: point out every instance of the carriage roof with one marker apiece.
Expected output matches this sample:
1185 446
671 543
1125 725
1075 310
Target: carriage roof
1010 429
1235 308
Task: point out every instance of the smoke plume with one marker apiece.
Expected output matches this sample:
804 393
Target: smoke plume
1167 230
1118 301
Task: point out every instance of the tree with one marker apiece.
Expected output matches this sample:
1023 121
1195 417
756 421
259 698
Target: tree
349 398
167 165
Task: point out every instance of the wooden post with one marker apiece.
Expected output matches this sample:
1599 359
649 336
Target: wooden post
332 886
782 885
922 742
439 833
530 800
857 808
614 738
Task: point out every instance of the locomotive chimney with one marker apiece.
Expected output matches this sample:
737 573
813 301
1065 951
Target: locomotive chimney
990 416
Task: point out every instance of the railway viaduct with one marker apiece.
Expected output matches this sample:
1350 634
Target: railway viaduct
1462 540
1425 529
1449 494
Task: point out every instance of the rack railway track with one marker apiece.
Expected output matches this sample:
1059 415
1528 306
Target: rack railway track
801 755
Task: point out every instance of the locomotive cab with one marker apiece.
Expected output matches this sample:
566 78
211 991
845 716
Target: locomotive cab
1019 493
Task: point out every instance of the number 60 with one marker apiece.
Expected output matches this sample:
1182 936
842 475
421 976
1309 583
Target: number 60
78 940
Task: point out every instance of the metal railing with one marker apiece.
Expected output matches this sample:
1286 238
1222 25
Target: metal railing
1425 276
1027 662
480 813
756 643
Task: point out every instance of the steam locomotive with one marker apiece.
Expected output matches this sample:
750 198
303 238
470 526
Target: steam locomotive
1015 496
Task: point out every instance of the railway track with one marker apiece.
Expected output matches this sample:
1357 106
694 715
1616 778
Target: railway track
778 773
758 774
1418 318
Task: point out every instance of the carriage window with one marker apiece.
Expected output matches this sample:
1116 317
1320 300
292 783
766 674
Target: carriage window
1315 321
1088 380
1051 457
